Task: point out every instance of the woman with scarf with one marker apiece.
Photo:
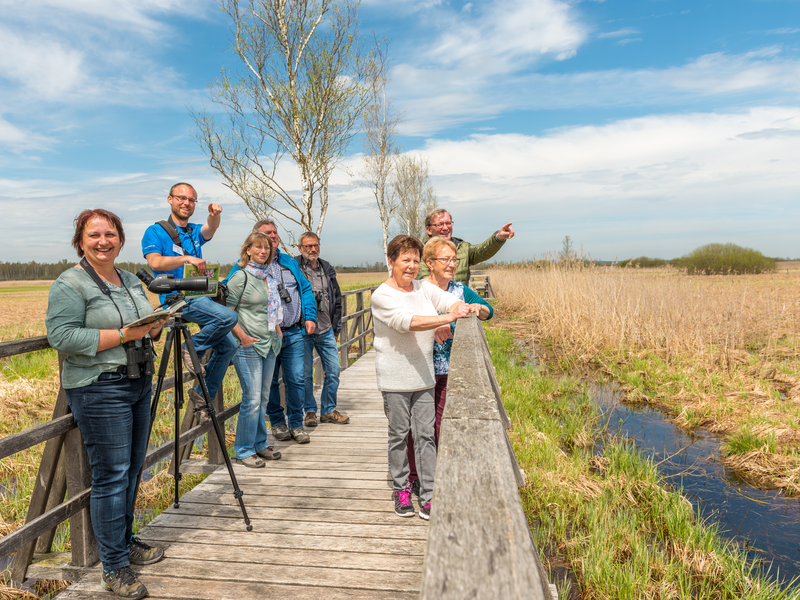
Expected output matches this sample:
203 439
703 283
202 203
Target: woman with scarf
254 297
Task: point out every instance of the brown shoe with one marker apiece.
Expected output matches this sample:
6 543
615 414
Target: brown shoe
334 417
310 419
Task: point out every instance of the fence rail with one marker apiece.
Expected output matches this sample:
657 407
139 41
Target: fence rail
479 543
58 478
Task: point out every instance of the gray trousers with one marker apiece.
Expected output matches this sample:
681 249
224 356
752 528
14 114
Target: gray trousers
415 411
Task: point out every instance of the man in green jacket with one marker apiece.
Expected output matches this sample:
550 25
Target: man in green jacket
439 223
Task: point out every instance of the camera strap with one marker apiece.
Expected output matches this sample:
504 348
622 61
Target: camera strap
243 290
105 289
172 231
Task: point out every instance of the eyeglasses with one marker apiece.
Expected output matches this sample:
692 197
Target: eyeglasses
309 246
447 261
442 224
184 199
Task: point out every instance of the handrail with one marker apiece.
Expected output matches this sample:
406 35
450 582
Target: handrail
50 486
479 543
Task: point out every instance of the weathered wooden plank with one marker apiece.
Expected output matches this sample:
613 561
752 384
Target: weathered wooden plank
255 539
309 575
322 502
290 491
85 551
170 588
293 557
177 518
23 346
320 516
273 470
17 442
41 525
481 551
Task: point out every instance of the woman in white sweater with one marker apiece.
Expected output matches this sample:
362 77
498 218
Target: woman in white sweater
406 312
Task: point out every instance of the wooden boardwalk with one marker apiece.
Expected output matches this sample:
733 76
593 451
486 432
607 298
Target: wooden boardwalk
323 521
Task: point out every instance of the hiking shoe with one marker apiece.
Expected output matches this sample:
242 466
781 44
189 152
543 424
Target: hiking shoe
402 502
124 583
334 417
200 407
300 436
425 511
310 420
269 453
281 432
140 553
415 487
252 461
187 362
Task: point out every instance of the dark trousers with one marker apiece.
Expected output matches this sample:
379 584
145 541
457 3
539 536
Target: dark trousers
113 415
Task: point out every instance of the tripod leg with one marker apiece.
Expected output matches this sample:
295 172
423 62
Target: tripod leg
237 492
162 371
178 395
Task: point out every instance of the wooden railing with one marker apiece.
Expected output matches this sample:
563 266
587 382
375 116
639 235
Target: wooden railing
58 477
482 284
479 543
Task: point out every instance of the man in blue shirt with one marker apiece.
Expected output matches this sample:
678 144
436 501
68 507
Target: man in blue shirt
163 255
299 319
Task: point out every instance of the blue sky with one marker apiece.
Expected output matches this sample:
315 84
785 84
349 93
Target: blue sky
645 127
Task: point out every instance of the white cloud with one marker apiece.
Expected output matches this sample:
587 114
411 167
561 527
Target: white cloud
619 33
626 41
675 179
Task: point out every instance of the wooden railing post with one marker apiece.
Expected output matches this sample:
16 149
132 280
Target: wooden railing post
344 338
362 343
79 477
215 453
42 489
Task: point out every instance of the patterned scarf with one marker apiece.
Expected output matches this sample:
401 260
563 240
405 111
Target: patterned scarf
257 269
274 305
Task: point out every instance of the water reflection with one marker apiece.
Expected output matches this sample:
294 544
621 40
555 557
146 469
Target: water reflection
767 523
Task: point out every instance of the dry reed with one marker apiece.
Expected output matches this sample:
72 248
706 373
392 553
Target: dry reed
719 352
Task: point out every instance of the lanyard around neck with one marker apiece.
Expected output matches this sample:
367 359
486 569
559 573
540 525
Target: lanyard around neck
105 289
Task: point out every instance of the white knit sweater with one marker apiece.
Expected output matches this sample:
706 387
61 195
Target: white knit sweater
404 361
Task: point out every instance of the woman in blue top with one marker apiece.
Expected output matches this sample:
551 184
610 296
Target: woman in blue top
253 294
87 309
439 254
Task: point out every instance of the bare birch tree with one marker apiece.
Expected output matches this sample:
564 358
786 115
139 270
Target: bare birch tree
380 124
415 194
300 93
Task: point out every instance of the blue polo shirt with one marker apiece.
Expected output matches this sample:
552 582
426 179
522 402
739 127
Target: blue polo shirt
157 240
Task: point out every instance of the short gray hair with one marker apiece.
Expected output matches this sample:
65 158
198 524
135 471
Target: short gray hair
307 234
261 222
435 213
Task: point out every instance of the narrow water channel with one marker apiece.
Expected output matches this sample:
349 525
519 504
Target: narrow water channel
766 523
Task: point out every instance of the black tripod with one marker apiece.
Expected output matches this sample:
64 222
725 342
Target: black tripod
177 328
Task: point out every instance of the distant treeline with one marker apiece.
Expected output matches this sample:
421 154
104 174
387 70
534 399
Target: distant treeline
19 271
711 259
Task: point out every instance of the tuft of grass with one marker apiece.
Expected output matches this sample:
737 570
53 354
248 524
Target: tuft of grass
746 440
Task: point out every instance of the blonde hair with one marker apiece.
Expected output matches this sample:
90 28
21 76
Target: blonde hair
254 238
432 246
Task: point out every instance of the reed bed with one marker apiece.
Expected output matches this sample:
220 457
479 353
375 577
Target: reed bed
718 352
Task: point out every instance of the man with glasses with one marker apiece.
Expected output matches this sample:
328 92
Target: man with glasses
439 223
322 277
170 245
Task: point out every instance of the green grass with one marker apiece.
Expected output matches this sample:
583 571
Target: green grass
745 440
24 288
611 517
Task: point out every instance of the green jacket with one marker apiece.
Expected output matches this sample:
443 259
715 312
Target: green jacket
468 255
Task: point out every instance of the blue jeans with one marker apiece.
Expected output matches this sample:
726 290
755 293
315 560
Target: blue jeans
216 322
325 343
113 415
255 377
292 360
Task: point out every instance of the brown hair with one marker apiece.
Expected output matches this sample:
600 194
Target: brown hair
262 222
432 246
403 243
252 240
435 213
100 213
172 189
